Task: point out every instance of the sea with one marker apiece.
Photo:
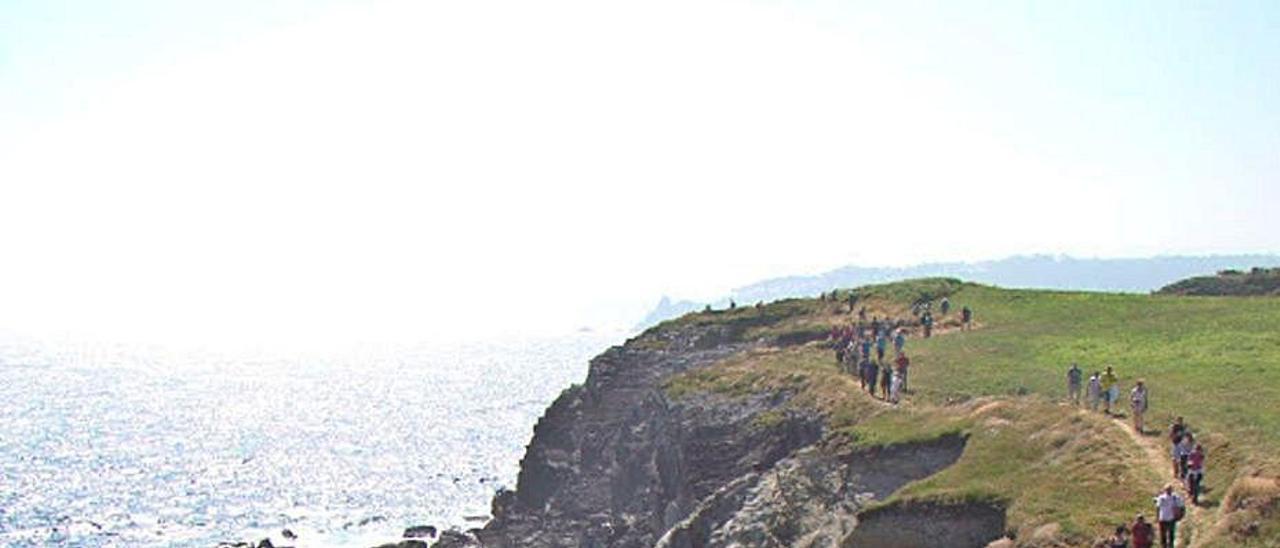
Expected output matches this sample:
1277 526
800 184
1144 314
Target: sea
128 445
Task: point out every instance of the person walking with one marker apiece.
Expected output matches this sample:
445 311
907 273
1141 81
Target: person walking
945 306
1195 473
1120 538
1110 389
1176 431
1074 382
1095 390
873 374
966 316
903 364
1169 510
882 342
900 341
1138 404
895 391
886 380
1141 533
1183 451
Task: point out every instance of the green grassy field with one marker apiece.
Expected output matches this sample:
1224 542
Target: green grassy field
1065 474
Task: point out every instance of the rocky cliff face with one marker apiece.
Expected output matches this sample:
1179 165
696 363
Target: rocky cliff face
615 462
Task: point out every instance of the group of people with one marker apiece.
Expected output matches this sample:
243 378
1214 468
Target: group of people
853 351
854 344
1141 534
1187 457
1169 510
923 309
1104 391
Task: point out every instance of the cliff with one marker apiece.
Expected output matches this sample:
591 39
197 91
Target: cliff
737 428
629 460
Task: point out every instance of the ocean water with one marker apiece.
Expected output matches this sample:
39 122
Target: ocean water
115 446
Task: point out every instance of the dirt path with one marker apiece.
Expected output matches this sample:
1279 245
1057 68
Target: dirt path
1157 453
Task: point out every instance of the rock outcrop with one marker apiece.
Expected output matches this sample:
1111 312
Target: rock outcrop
617 462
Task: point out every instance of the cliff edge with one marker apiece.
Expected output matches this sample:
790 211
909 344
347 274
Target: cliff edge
740 428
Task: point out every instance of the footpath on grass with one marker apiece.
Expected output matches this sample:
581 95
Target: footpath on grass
1160 462
1067 476
1155 454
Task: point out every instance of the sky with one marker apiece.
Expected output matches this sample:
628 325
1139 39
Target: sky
292 172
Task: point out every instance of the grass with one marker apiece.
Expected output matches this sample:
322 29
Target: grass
1214 360
1046 466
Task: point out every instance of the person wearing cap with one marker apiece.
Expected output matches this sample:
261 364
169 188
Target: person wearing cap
1169 509
1140 533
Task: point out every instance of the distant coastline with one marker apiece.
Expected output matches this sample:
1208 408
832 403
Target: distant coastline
1122 275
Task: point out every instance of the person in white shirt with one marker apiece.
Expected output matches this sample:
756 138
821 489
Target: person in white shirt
1182 452
1095 391
1169 509
1138 404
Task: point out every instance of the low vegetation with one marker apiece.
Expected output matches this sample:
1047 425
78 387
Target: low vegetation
1257 281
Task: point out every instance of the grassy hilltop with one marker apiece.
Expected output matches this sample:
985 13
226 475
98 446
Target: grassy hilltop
1257 281
1065 476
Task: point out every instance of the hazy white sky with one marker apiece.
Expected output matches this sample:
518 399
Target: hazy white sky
290 171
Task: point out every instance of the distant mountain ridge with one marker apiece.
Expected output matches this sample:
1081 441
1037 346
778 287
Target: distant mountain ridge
1133 275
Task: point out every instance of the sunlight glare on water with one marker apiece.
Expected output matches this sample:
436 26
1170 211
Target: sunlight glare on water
105 446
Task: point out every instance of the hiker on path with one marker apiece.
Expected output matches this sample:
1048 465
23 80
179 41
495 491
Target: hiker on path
1074 382
1138 404
1176 431
945 305
903 363
873 373
862 373
1119 539
895 389
966 316
882 342
1195 473
1183 451
927 321
862 314
900 341
1143 534
1169 510
886 381
1110 389
1095 390
866 348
